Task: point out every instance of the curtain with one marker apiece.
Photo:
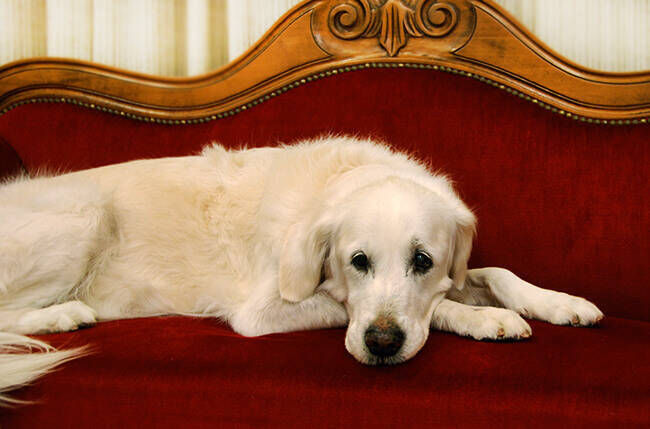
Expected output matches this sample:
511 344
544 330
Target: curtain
611 35
191 37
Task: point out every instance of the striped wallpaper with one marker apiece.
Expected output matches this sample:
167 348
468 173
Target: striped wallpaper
190 37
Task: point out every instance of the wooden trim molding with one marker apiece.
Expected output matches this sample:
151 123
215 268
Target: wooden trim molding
321 38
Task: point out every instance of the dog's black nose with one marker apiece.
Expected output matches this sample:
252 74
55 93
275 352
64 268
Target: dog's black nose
384 337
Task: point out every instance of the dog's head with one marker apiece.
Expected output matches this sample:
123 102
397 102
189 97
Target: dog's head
389 251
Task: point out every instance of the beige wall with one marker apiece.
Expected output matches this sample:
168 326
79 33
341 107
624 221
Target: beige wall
190 37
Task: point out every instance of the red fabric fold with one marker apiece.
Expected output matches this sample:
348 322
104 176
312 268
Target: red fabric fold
10 164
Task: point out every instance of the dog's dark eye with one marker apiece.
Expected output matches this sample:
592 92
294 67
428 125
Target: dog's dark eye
360 261
422 262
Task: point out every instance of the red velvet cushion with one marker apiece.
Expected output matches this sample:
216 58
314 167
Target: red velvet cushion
560 202
179 372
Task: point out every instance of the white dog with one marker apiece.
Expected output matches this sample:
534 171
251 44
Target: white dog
320 234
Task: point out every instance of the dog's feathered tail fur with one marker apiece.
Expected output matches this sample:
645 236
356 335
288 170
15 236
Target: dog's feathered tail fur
24 359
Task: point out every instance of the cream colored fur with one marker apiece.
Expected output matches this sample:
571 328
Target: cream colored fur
262 238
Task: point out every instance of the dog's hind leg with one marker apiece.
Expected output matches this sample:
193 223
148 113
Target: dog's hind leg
52 235
500 287
63 317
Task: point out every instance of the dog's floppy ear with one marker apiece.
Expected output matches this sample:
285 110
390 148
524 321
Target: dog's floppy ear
462 245
303 254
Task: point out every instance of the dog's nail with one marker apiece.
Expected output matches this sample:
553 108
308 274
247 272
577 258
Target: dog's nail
501 333
575 320
525 335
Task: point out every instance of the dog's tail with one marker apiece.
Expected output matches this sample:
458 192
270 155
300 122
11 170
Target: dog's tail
24 359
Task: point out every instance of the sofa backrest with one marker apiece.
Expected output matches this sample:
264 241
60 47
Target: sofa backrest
558 181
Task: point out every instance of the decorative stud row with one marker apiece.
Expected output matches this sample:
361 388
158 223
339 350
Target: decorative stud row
321 75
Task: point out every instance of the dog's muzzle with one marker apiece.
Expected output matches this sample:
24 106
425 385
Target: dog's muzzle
384 337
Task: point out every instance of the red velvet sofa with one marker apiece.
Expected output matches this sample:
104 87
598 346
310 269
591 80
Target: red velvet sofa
554 160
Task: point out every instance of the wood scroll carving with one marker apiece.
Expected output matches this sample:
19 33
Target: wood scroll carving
471 38
392 21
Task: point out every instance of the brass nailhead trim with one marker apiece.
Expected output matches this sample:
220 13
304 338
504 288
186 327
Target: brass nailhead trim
321 75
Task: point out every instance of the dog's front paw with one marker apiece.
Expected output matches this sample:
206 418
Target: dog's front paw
490 323
563 309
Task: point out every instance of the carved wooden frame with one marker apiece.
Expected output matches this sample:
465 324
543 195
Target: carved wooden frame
320 38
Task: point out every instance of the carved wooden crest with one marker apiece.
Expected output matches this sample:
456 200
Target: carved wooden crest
392 21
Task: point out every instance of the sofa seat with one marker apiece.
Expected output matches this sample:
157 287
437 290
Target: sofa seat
172 372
